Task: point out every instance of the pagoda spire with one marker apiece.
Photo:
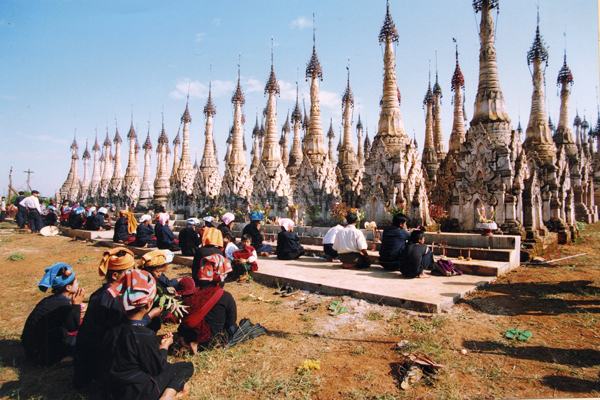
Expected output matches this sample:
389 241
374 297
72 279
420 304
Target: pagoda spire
75 187
538 136
85 183
429 157
106 170
296 153
314 142
359 128
184 174
331 136
459 133
391 126
563 131
237 156
438 137
347 108
283 142
271 152
489 103
116 182
132 173
96 172
209 160
146 188
161 181
176 158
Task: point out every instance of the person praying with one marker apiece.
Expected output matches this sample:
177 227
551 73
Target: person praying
416 256
165 239
125 227
351 245
288 242
143 233
49 332
393 240
189 240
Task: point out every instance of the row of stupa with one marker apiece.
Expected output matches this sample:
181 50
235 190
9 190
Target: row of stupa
545 182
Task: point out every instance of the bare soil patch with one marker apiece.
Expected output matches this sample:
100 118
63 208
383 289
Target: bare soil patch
558 303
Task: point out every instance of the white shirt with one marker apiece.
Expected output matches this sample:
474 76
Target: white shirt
31 202
230 249
329 237
350 240
3 205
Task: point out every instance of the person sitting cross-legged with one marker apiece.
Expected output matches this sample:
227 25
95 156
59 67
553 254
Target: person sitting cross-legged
393 241
416 256
189 240
133 361
49 332
329 240
143 233
252 229
351 245
288 243
125 227
165 239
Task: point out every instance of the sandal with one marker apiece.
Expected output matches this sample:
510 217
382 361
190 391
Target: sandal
339 311
283 290
413 375
512 333
299 304
309 310
290 292
334 305
524 336
423 360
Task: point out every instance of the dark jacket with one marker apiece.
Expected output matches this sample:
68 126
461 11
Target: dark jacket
121 233
393 241
200 254
189 241
411 259
287 242
164 236
143 234
252 230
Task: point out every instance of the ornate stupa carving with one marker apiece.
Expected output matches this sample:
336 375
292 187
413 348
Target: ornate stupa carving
147 187
96 173
208 178
116 182
459 133
176 158
283 142
106 170
161 182
271 181
349 166
296 153
330 137
85 183
438 137
72 186
429 158
360 154
314 143
256 150
132 180
389 176
181 196
236 188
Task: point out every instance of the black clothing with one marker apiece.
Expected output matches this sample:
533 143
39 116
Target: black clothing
189 241
288 246
415 258
45 335
98 222
223 228
393 241
165 238
21 217
50 219
357 259
200 254
328 249
134 366
36 220
104 312
254 232
74 221
143 236
162 283
121 232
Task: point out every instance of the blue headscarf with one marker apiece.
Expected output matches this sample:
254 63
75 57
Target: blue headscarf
52 208
50 280
79 210
256 216
208 219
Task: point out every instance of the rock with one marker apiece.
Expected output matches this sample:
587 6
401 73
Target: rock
538 259
464 352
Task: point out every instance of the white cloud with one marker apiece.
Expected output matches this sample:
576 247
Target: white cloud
253 85
199 37
300 23
5 97
216 22
331 100
199 90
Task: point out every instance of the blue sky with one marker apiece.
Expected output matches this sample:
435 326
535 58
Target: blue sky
69 65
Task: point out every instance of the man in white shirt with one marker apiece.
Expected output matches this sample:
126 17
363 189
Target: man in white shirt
351 245
3 209
329 240
32 203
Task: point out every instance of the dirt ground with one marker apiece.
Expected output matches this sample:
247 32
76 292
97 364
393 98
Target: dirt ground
357 350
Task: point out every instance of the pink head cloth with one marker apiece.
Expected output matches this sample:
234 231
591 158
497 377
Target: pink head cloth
163 218
227 218
287 223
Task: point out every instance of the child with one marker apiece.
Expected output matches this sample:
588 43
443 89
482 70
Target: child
50 329
229 246
104 312
156 264
244 260
416 256
133 362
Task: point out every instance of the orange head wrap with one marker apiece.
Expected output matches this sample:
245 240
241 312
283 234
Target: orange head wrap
156 258
212 236
131 221
112 262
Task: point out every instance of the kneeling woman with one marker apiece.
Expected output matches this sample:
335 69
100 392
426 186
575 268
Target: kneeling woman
50 329
212 312
288 243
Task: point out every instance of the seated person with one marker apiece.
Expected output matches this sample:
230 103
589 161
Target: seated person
244 260
212 243
227 223
90 215
189 240
416 256
329 240
252 229
125 227
351 245
133 361
75 219
229 246
393 240
51 218
50 329
98 222
64 212
156 263
143 233
208 221
164 235
212 313
104 312
288 243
